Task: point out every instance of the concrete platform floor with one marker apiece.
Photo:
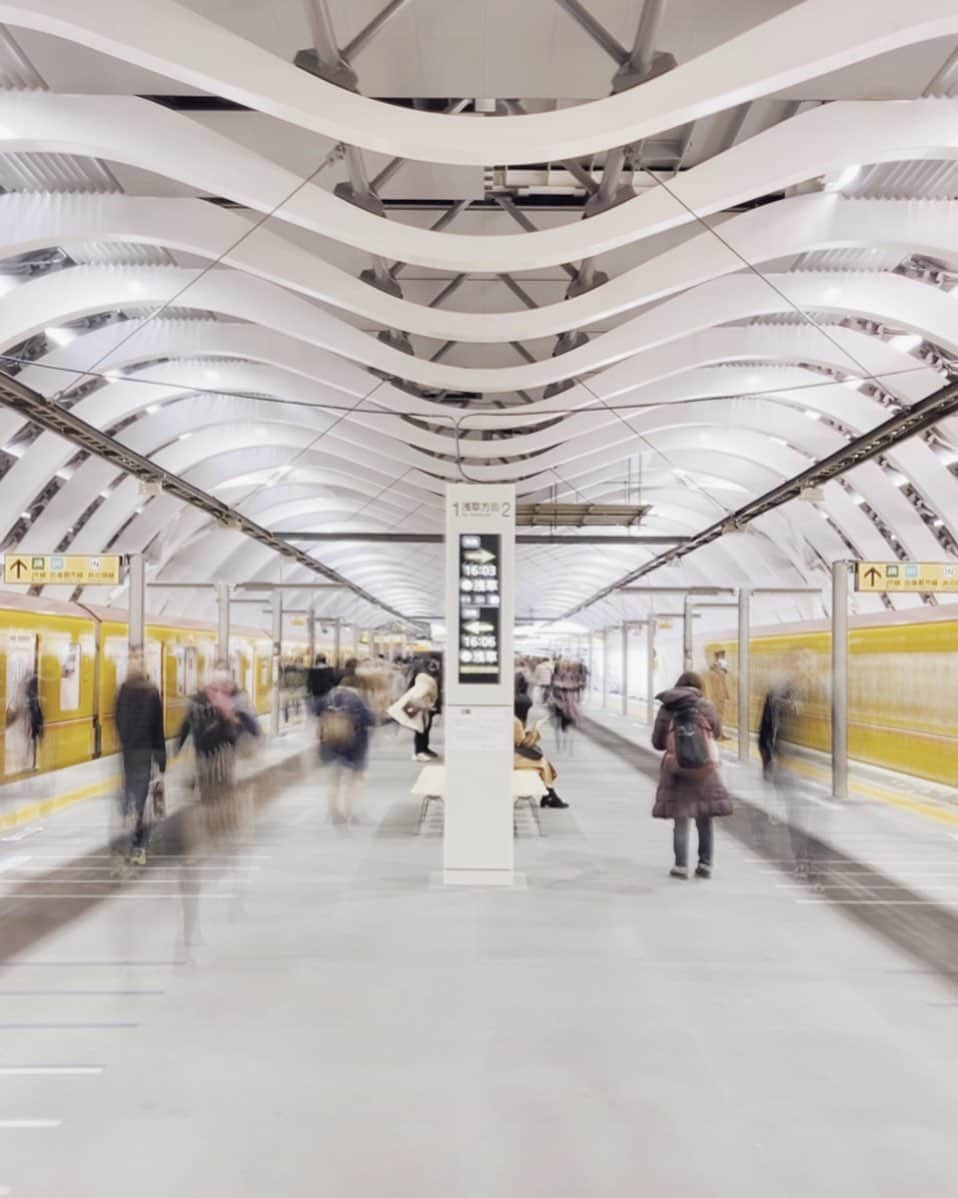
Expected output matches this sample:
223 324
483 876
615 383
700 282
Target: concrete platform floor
349 1029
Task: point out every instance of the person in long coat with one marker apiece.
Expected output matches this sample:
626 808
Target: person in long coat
685 794
529 739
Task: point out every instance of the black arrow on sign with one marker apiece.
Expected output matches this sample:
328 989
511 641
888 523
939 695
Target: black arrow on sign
872 575
18 567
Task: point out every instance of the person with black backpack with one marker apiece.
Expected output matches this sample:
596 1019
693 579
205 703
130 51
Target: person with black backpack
687 729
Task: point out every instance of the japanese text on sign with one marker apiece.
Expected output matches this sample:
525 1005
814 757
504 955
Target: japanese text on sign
906 576
479 599
71 568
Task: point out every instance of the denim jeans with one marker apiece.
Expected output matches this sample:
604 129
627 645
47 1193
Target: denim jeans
680 841
137 767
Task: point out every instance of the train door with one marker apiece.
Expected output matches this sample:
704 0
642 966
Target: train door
190 674
19 747
154 666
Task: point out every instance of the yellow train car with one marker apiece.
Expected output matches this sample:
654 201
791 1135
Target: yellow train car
55 643
902 694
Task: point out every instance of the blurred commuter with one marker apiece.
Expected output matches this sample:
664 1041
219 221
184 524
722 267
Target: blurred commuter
214 726
320 680
563 701
778 735
528 755
345 721
715 686
417 708
139 727
24 726
543 680
687 727
522 703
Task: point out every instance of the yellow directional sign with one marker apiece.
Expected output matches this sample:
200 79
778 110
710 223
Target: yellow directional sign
906 576
72 568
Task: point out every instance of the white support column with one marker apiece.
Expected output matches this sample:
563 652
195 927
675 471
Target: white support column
477 715
337 642
277 614
687 626
650 671
310 638
744 672
625 668
136 598
223 622
840 575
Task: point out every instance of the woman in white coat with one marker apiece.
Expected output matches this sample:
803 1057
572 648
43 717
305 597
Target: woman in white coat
417 708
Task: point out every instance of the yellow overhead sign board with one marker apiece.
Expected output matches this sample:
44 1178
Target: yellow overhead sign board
906 576
70 568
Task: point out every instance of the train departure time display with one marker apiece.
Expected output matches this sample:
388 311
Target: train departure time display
479 558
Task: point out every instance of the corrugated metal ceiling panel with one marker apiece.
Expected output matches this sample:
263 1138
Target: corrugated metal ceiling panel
54 172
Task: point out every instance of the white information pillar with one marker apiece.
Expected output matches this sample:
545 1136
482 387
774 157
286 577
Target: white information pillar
479 684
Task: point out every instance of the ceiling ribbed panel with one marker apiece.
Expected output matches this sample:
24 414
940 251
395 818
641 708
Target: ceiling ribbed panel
54 172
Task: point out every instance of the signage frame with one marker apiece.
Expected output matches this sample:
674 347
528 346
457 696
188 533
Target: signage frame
916 578
62 569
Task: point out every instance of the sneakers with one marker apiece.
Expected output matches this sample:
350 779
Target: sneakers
138 857
432 753
703 871
677 872
422 757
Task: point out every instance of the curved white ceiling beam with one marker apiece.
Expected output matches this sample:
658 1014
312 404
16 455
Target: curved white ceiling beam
134 131
822 221
805 42
84 290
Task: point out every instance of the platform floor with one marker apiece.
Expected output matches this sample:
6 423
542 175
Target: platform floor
349 1028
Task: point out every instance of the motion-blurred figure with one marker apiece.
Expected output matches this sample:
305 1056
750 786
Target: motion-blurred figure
690 786
715 686
214 726
563 701
24 726
139 727
345 720
522 703
528 755
319 682
542 677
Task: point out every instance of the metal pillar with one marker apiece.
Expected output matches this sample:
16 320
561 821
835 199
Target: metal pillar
625 669
650 671
277 614
840 573
744 672
687 648
337 642
136 617
310 637
605 666
223 622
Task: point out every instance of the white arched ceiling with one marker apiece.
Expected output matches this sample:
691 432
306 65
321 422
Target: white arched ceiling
720 359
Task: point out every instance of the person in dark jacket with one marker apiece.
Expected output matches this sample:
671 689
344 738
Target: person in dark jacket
345 720
139 727
319 682
685 794
522 703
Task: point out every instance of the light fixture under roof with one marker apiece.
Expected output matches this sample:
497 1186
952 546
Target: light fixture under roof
152 409
580 515
906 342
60 336
845 178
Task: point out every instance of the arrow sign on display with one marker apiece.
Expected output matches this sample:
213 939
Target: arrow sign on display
482 556
18 567
476 627
872 576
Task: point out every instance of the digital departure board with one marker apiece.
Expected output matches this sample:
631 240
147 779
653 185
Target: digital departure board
479 599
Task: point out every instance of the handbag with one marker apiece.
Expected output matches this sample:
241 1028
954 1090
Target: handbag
530 752
158 797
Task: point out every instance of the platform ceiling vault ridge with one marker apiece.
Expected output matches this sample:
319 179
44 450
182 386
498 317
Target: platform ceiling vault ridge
318 258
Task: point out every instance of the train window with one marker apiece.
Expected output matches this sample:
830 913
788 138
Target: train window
70 677
154 664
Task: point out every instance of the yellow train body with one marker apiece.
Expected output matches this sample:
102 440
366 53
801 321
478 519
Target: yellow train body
903 689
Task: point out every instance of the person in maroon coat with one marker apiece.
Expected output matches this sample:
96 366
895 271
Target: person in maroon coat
685 794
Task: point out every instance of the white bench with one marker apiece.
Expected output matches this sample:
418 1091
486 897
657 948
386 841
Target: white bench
430 786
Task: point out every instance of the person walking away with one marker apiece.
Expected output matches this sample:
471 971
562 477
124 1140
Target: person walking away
528 755
345 721
522 703
319 682
715 686
686 729
417 708
139 727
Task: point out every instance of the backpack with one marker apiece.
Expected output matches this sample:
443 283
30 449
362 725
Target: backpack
335 728
690 741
